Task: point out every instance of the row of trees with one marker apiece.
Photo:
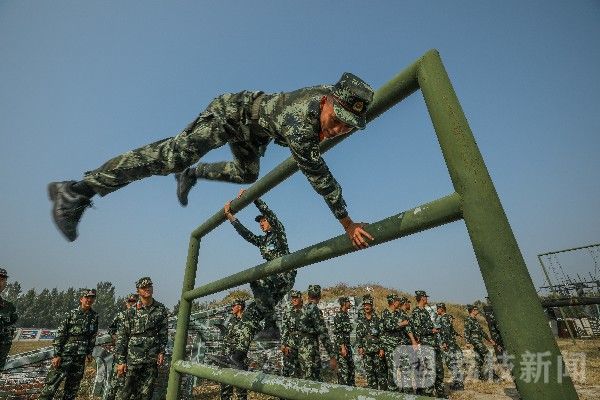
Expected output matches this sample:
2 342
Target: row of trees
48 307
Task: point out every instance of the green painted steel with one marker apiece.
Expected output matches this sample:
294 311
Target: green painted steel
519 312
426 216
288 388
517 307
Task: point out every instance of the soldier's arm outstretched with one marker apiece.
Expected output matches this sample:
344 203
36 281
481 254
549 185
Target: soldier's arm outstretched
241 229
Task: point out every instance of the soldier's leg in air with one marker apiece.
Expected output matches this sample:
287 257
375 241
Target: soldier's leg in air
73 376
243 169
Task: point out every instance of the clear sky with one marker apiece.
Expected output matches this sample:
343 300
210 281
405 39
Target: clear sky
81 82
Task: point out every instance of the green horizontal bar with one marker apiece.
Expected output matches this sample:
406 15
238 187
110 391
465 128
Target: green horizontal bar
288 388
397 89
567 250
426 216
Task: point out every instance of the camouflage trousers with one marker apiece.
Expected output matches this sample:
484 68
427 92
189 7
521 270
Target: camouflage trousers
4 349
71 371
375 370
267 293
398 359
482 360
429 375
227 392
453 358
345 365
225 120
310 358
290 366
114 384
139 382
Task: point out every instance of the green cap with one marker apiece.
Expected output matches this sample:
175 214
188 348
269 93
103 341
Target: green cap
3 273
421 293
314 290
403 299
392 297
351 97
471 307
367 299
343 300
239 301
441 305
143 282
87 293
295 293
132 297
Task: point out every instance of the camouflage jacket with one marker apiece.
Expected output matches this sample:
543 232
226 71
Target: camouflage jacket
313 328
142 335
292 120
76 334
447 332
238 335
117 320
290 328
274 243
368 332
342 327
474 333
422 327
8 317
493 326
392 334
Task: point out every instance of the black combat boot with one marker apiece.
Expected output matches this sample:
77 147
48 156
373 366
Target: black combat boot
67 208
185 182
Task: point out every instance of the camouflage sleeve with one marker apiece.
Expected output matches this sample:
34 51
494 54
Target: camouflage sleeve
360 333
407 328
61 335
271 216
389 323
468 330
163 331
122 342
112 328
93 335
305 150
285 329
339 331
415 324
483 333
246 233
324 333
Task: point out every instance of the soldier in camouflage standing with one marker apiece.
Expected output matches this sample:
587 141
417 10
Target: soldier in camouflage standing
370 348
313 330
475 336
342 327
490 318
236 334
73 344
8 317
248 122
394 325
291 335
452 354
115 382
141 341
431 372
270 290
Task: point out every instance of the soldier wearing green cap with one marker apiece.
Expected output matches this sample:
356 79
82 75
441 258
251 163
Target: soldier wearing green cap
342 328
291 335
8 318
451 352
73 344
141 341
370 347
312 331
115 381
475 336
248 121
267 291
430 375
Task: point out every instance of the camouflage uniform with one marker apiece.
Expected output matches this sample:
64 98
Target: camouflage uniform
247 121
452 354
75 339
392 336
368 338
8 317
494 331
430 352
290 337
238 334
342 327
313 330
141 337
474 335
270 290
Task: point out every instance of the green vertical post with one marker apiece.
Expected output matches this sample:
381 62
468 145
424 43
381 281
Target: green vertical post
183 318
521 320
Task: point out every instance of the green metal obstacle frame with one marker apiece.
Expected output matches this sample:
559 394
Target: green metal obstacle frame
517 307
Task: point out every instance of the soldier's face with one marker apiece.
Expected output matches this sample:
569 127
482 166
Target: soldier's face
368 307
146 291
265 226
331 126
406 306
296 301
236 309
87 302
2 283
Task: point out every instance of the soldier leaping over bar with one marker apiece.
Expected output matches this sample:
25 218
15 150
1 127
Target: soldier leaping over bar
247 121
